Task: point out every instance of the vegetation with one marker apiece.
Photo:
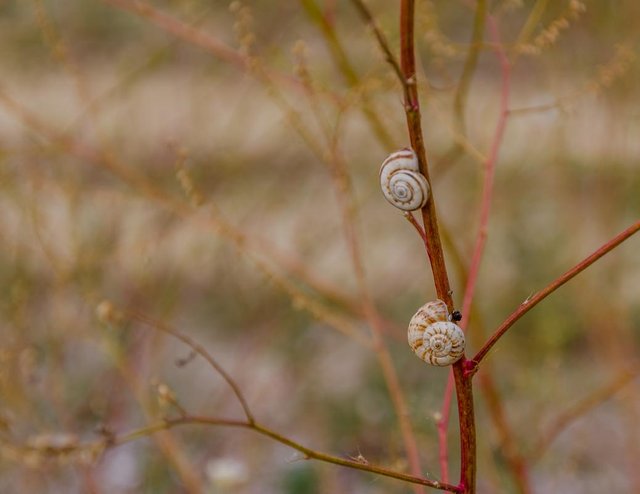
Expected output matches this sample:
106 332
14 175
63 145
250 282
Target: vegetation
202 285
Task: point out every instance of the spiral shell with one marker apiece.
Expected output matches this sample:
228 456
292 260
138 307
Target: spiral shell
402 183
434 338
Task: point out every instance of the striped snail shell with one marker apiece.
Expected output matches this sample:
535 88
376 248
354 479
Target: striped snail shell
433 337
402 183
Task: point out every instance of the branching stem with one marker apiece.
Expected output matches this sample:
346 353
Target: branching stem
538 297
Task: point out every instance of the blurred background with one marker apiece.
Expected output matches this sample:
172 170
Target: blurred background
214 167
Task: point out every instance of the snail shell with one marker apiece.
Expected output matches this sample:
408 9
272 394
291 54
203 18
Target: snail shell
434 338
402 183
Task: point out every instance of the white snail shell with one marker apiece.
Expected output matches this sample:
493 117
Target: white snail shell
402 183
434 338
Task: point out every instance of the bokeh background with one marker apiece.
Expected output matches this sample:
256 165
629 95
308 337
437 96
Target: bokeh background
204 164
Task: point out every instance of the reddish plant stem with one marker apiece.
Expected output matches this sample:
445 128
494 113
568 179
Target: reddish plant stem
489 174
412 110
434 247
442 425
485 208
411 219
538 297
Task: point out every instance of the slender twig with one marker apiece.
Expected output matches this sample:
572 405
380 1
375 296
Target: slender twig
470 63
342 61
200 350
442 425
458 129
366 15
265 431
538 297
411 219
489 175
582 407
184 31
464 392
485 207
251 422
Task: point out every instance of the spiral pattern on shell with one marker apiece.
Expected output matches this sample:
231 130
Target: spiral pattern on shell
434 338
402 183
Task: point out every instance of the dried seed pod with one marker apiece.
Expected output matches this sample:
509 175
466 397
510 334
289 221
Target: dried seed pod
434 338
402 183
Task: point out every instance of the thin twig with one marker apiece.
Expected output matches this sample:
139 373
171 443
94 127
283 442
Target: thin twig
458 128
366 15
184 31
342 61
489 175
265 431
250 422
200 350
538 297
411 219
582 407
442 425
485 207
470 63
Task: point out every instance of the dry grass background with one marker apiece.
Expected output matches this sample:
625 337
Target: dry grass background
73 234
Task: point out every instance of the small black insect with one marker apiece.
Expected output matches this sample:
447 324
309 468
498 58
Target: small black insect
456 316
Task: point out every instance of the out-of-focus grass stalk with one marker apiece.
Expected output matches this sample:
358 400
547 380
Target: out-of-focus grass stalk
578 409
209 219
169 445
348 71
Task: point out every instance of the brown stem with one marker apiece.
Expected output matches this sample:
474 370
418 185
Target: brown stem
462 378
200 350
265 431
388 370
411 219
534 300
